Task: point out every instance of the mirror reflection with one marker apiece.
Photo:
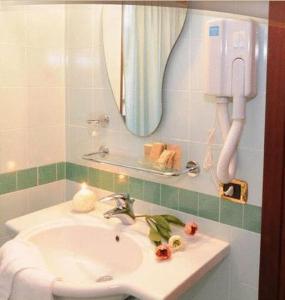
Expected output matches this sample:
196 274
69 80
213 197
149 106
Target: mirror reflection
137 44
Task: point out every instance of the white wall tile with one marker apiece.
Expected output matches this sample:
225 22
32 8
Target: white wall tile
46 107
13 66
46 67
245 251
202 116
79 142
13 108
244 292
32 53
46 195
14 153
12 205
71 189
250 169
46 26
46 145
80 106
80 68
213 286
197 60
98 30
81 25
32 120
13 25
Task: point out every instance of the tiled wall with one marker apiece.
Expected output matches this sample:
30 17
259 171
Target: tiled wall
32 105
197 204
188 115
34 88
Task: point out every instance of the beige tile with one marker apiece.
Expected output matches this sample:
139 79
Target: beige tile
13 25
14 205
80 106
13 66
13 108
80 26
14 150
97 17
46 107
41 197
46 67
46 26
80 67
46 145
78 143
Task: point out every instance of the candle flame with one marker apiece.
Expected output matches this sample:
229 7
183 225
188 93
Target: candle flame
83 185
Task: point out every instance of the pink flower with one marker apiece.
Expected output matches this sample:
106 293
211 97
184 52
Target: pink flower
191 228
163 252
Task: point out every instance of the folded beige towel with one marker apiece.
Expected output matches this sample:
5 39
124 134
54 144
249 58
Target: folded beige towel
166 159
176 164
156 150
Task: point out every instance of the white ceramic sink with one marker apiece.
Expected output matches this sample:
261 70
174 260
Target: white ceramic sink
85 253
97 258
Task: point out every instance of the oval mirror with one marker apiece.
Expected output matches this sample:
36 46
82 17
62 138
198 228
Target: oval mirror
137 42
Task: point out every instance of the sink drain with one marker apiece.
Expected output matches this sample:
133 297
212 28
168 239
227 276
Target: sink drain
104 278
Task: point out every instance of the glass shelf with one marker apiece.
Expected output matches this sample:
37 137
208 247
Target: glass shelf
103 156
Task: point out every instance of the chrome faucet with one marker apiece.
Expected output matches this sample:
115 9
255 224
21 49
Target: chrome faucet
123 210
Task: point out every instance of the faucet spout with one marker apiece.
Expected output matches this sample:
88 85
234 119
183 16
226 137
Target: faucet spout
123 210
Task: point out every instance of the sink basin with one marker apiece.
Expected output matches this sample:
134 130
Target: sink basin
85 253
95 258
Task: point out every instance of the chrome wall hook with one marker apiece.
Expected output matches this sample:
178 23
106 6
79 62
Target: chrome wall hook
102 121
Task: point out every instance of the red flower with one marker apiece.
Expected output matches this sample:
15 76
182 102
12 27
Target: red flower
191 228
163 252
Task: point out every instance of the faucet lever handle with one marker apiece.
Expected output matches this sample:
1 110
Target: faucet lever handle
123 200
123 209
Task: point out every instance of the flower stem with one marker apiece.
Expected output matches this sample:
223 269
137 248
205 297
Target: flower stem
142 216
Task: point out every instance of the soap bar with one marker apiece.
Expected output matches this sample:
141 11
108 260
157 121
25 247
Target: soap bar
147 150
177 157
170 162
156 151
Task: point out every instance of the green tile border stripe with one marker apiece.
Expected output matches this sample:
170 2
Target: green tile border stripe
28 178
247 216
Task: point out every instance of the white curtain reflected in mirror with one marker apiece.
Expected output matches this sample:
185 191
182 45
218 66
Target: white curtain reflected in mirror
137 43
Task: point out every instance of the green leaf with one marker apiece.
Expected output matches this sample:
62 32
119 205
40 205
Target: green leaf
154 235
162 222
163 232
174 220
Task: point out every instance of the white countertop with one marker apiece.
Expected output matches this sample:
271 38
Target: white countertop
154 280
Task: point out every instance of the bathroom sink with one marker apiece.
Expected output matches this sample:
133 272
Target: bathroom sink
85 253
95 258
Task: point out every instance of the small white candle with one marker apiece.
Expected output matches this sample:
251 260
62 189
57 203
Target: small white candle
84 200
